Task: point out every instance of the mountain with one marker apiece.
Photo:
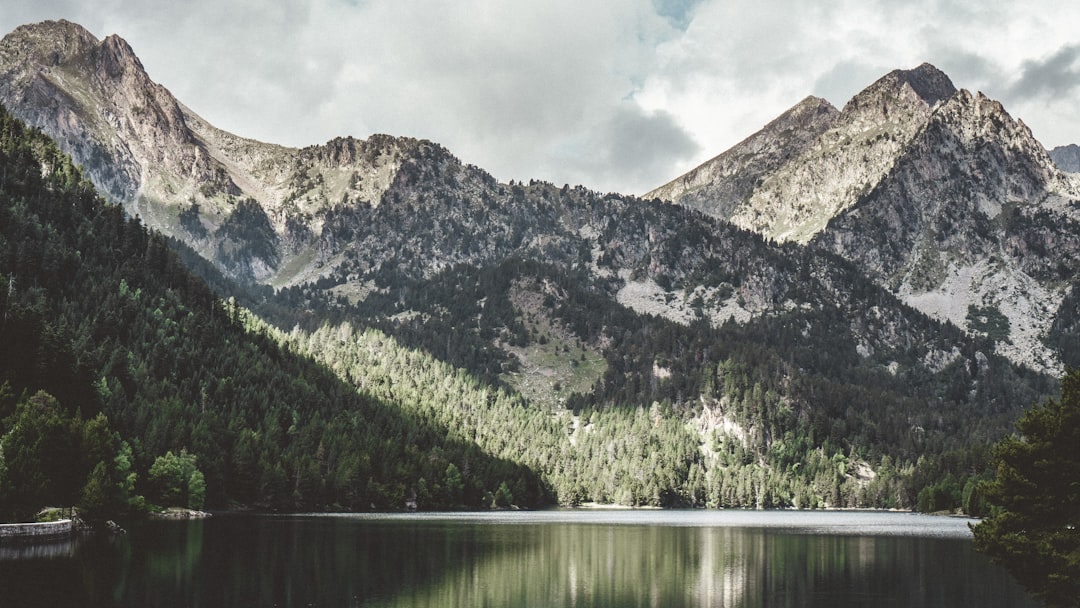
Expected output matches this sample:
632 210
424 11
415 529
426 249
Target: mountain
1067 158
721 185
938 194
826 162
177 172
136 354
656 354
973 223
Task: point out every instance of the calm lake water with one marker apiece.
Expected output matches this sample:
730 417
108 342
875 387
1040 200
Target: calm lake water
543 558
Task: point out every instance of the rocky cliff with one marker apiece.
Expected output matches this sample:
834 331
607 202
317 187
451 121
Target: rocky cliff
938 194
176 171
827 163
358 217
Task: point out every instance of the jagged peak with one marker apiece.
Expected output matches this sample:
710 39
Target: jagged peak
343 150
117 54
812 102
809 106
978 107
1067 158
928 83
56 29
50 42
53 43
799 113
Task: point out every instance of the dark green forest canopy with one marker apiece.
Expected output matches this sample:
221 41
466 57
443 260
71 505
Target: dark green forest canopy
1034 529
97 312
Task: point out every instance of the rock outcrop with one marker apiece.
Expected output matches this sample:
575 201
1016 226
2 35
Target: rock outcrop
179 173
937 193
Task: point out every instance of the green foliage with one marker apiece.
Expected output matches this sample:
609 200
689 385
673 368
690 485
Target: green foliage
100 497
945 495
189 220
973 499
97 311
41 452
503 497
53 457
102 315
454 485
1064 335
196 488
174 480
1034 528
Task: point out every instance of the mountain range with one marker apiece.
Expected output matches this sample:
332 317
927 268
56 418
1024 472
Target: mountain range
882 282
938 194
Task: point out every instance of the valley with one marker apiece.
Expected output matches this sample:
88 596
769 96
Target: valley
845 310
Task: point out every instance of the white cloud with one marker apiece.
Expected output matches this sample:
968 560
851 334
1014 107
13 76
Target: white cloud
616 94
734 69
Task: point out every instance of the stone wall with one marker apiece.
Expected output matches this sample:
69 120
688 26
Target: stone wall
52 529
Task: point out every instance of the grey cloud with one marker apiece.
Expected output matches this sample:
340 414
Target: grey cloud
965 67
635 149
845 79
1055 75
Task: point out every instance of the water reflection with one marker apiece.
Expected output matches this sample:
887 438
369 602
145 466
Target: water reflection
453 561
48 549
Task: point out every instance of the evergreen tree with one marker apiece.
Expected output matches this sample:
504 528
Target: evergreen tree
1034 530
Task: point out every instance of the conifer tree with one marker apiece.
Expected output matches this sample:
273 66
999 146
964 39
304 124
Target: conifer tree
1034 530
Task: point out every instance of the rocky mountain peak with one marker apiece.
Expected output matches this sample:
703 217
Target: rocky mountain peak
96 100
840 157
808 108
928 82
845 161
972 216
937 193
48 43
116 57
720 184
925 85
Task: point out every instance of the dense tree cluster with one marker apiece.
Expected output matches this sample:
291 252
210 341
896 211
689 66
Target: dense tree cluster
1034 525
99 313
401 399
826 426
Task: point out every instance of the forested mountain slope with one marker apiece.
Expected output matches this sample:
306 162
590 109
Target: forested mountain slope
565 344
98 312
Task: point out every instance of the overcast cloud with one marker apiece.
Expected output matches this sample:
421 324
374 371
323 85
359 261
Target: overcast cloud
618 95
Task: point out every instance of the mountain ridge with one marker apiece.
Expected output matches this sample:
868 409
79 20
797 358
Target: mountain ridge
754 355
159 158
986 163
820 178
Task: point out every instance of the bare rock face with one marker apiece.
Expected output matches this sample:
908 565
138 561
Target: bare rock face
972 217
719 186
826 164
181 175
1067 158
934 194
937 194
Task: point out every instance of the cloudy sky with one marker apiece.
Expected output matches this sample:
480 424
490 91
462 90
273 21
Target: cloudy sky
618 95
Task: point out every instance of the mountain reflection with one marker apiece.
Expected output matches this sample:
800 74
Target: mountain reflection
667 559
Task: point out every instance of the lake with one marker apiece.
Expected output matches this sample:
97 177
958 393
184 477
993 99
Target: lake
594 558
